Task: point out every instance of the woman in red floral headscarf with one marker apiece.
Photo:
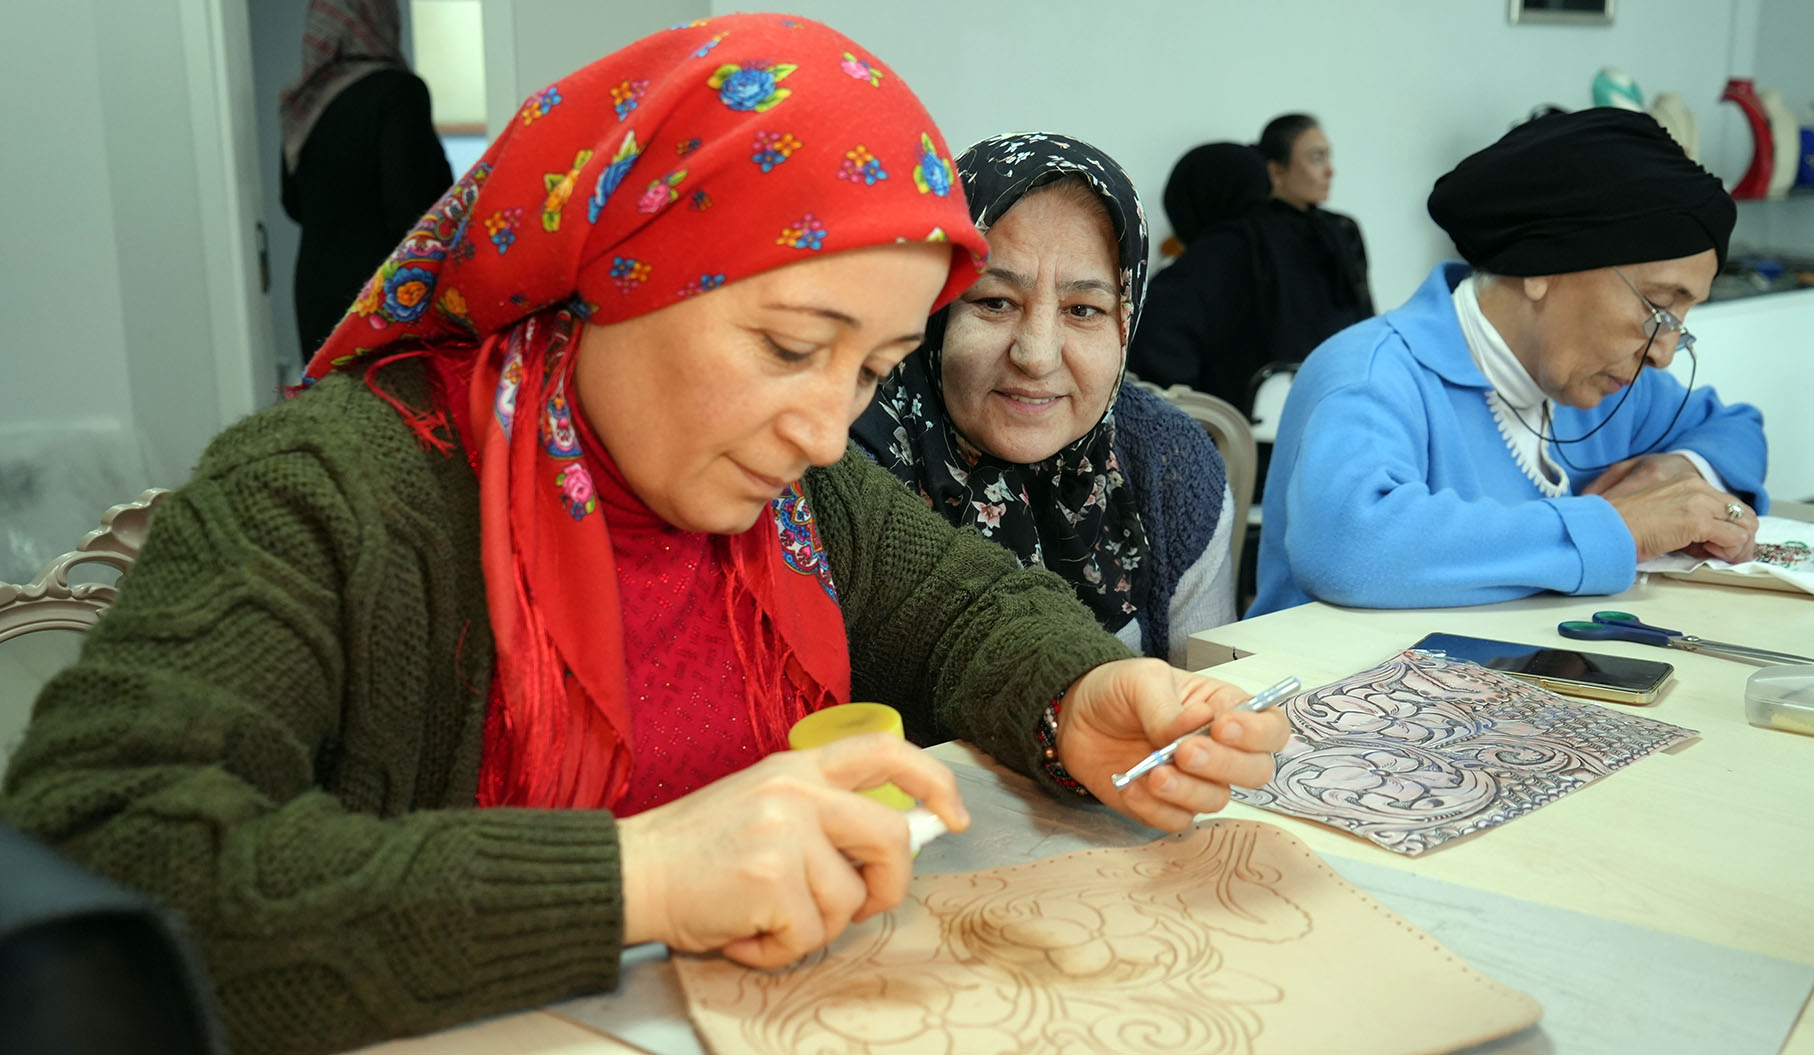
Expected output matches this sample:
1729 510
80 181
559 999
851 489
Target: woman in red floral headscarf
566 520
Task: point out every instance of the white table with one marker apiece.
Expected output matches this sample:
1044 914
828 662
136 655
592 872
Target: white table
1712 841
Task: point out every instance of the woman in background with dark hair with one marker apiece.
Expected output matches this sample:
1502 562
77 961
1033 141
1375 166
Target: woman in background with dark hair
1263 280
1321 252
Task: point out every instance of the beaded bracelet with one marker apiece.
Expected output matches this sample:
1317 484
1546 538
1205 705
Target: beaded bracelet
1047 735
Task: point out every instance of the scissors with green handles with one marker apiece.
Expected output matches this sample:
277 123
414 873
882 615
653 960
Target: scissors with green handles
1623 626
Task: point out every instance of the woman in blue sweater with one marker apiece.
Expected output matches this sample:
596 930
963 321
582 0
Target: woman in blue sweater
1016 421
1500 434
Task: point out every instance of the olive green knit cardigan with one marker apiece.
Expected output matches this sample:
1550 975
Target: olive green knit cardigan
277 728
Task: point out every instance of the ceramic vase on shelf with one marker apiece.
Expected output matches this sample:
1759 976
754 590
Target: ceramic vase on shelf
1785 132
1614 87
1675 117
1755 183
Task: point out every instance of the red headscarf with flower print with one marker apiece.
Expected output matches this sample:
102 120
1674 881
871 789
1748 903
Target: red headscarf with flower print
695 157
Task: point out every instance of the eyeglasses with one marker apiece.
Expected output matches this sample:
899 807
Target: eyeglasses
1661 322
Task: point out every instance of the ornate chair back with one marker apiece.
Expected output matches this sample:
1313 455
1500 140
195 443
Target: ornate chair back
52 602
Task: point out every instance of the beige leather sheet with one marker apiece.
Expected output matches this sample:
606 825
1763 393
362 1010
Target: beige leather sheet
1233 937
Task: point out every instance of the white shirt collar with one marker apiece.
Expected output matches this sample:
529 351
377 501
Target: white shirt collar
1518 405
1490 352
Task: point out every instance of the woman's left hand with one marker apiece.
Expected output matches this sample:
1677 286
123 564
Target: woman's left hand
1119 712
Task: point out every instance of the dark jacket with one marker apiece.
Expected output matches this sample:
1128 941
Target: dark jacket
1264 288
368 170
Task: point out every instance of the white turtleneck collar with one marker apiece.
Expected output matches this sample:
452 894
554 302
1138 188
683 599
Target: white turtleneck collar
1491 354
1519 406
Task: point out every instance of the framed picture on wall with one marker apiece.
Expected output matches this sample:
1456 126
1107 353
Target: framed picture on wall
1562 12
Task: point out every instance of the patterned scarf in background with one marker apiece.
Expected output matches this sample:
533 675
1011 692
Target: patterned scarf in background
342 41
696 157
1074 512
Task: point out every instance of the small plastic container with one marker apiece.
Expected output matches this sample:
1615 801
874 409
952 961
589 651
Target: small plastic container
1782 698
856 719
853 719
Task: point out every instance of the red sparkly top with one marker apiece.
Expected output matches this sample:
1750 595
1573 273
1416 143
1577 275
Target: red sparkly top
690 720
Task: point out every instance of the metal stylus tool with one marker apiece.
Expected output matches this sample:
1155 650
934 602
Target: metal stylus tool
1263 700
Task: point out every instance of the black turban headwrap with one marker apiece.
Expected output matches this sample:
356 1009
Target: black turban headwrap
1213 183
1578 191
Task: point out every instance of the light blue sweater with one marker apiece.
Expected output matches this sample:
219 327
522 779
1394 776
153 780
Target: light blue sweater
1391 487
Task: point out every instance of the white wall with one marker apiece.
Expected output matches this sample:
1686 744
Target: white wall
68 449
277 61
1756 350
63 338
448 36
532 43
116 364
1785 32
1404 89
169 355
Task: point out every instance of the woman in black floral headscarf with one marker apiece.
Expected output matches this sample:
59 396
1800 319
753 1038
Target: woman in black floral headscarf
1015 419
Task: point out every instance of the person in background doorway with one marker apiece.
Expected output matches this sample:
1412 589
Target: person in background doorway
361 160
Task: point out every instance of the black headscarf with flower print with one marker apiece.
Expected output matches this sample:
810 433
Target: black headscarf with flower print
1073 512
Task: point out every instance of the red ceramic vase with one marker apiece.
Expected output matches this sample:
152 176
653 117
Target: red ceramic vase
1756 181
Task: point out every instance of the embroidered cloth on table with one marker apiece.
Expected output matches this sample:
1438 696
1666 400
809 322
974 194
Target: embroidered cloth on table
1423 749
1785 559
1232 937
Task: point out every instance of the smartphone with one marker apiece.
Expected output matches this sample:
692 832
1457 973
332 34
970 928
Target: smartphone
1565 670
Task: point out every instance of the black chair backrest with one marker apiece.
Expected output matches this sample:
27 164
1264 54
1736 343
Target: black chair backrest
89 966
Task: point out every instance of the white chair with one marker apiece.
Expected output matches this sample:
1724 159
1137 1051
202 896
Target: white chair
1270 387
1229 430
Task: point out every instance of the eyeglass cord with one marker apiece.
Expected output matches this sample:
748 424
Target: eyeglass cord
1693 369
